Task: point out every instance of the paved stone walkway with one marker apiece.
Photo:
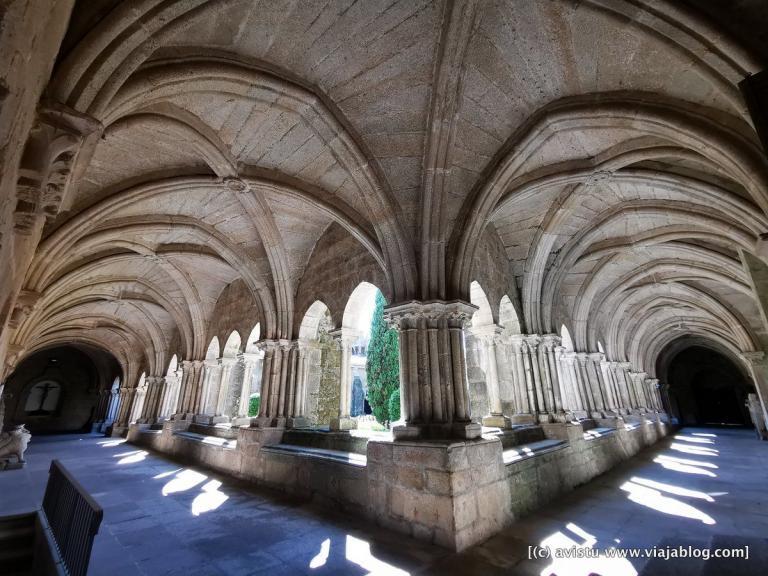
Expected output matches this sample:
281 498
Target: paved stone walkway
704 488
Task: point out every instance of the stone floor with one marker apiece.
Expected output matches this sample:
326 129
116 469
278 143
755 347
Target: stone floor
705 488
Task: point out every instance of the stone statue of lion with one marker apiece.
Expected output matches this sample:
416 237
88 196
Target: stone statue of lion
14 443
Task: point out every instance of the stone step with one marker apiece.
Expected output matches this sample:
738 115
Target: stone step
225 443
216 430
351 458
525 451
326 440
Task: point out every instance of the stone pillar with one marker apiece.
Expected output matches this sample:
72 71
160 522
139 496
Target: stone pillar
272 411
344 341
227 364
533 342
623 371
490 339
300 399
596 383
433 373
126 404
190 396
114 405
758 366
154 391
612 395
551 344
251 363
520 384
211 381
638 378
584 385
652 388
100 413
567 395
235 388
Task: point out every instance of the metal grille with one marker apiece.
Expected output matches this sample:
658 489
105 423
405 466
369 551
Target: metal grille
74 518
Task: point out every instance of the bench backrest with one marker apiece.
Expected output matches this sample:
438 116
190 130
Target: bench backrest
73 516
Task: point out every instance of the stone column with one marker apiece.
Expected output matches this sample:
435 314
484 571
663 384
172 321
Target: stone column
520 384
551 345
585 387
344 421
623 371
623 393
596 383
211 382
490 338
234 389
227 364
612 397
192 388
638 378
127 397
114 405
100 414
758 366
154 390
652 389
433 372
567 394
251 363
272 411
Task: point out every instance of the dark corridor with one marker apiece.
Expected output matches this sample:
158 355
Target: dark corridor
707 388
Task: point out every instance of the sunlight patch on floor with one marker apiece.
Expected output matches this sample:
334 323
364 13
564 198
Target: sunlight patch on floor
359 552
686 466
184 480
695 450
657 501
131 457
209 499
672 489
582 566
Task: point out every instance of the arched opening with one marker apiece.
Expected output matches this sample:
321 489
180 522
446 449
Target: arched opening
706 387
254 360
476 342
213 349
231 375
59 389
365 302
508 317
565 338
321 360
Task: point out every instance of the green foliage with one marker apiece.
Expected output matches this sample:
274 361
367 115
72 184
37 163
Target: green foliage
394 405
253 406
382 365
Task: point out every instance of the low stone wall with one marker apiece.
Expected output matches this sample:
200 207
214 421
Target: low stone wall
454 494
219 458
534 482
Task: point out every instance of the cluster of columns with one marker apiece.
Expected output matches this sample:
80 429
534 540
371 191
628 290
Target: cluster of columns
545 382
529 378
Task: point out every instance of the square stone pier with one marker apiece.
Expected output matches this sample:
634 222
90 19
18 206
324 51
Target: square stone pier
450 492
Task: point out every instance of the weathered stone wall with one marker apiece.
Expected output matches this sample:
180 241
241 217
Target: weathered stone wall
338 264
236 309
492 270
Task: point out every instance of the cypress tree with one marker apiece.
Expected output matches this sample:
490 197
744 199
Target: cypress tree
382 364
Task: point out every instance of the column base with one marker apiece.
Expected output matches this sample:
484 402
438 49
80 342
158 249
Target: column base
460 430
345 423
523 419
298 422
209 420
451 493
268 422
497 421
